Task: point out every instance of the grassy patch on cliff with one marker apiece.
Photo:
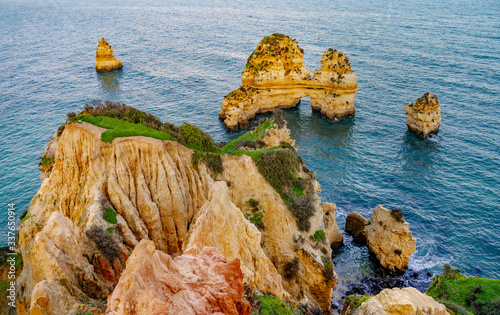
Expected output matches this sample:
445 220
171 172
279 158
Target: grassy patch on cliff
121 128
271 305
121 120
250 138
477 295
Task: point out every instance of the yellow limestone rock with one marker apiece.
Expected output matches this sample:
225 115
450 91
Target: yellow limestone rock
390 239
104 59
407 301
221 224
274 77
156 194
152 186
281 238
424 116
332 230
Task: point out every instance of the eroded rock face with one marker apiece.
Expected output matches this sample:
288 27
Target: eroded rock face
424 116
274 77
282 240
355 224
332 230
407 301
156 283
390 239
150 184
73 257
104 59
221 224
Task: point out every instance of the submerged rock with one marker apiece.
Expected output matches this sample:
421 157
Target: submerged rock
156 283
274 77
424 116
407 301
104 59
390 239
355 225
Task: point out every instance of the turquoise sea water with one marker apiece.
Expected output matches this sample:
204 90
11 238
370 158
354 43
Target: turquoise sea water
181 58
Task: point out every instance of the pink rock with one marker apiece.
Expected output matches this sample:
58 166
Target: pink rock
156 283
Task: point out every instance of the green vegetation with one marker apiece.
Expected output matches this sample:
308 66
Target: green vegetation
121 128
477 295
25 218
46 163
125 121
319 236
110 229
212 160
104 242
354 301
271 305
252 137
197 139
110 216
291 268
397 214
254 213
328 267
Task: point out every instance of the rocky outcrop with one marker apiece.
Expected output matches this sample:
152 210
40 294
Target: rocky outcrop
275 136
149 184
314 278
390 239
332 231
101 199
355 225
407 301
104 59
274 77
48 157
221 224
156 283
424 116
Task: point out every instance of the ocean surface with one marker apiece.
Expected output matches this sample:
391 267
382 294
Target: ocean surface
180 58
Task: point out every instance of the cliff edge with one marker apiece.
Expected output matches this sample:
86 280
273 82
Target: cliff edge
119 179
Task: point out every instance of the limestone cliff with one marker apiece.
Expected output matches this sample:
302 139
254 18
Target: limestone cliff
104 59
222 225
389 238
156 283
151 188
407 301
424 116
274 77
102 198
313 279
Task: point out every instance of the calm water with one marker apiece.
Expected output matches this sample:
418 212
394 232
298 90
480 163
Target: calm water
181 59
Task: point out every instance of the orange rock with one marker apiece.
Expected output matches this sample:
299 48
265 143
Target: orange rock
156 283
104 59
274 77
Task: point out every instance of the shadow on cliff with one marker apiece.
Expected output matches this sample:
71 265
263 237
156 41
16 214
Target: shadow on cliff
110 82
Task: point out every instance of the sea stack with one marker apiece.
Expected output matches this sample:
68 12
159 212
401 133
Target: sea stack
389 239
274 77
424 116
104 59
